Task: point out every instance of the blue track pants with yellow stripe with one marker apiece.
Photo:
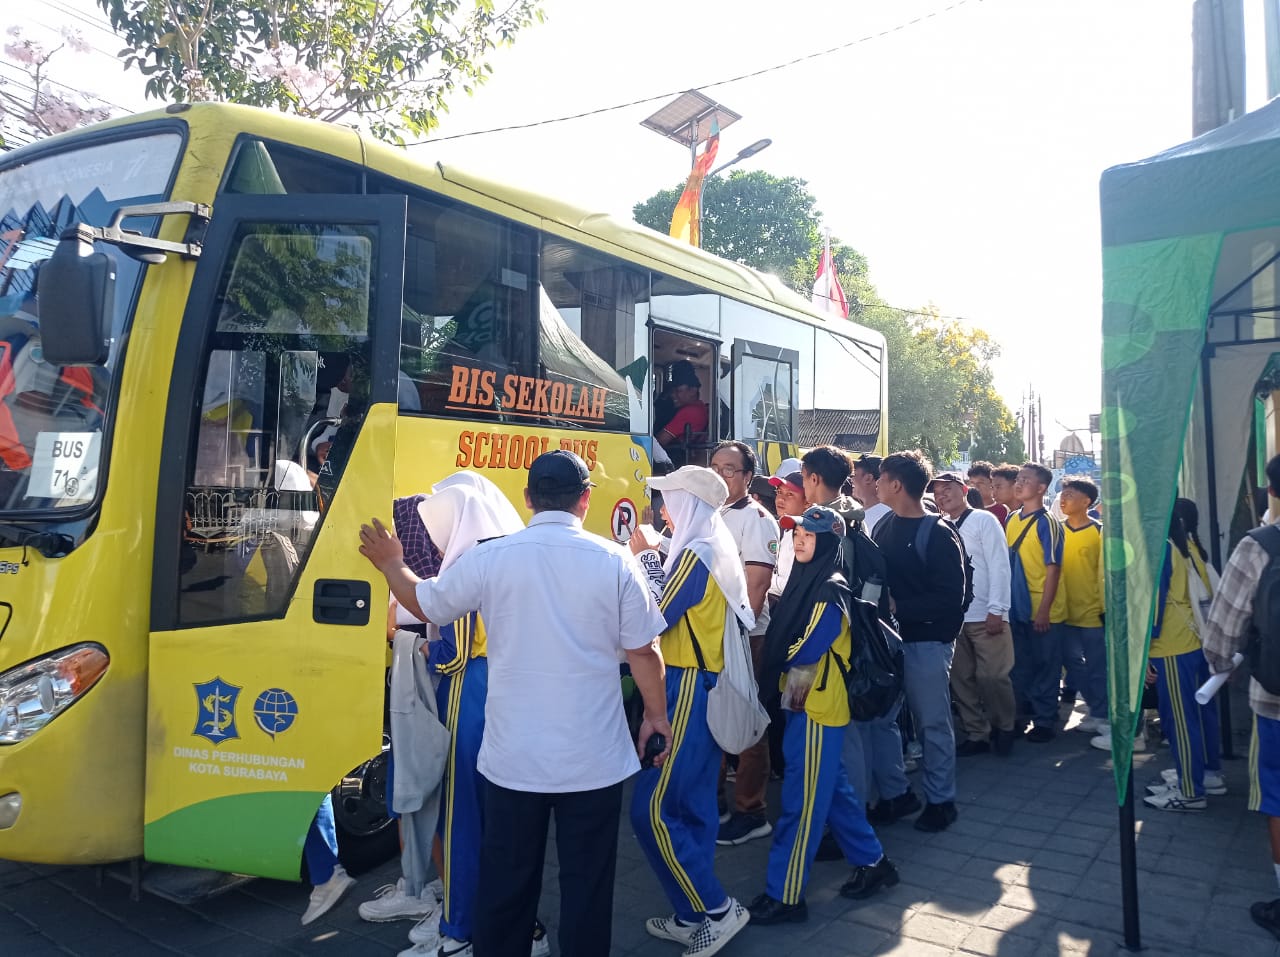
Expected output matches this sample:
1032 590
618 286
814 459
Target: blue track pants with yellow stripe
460 698
815 791
1192 728
673 809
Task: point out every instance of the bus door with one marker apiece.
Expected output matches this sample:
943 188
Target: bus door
766 382
268 635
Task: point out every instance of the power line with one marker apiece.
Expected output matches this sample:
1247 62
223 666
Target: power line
703 86
76 14
26 86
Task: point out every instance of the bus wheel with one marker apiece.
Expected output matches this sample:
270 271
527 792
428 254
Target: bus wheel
367 834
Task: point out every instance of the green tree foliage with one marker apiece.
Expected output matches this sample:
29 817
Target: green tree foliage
940 379
392 64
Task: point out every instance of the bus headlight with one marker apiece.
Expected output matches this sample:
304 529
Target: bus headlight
35 693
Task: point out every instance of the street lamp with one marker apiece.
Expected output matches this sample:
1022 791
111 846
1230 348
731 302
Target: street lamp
759 146
746 153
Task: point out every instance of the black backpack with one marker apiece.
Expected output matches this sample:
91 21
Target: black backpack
864 563
1264 631
922 543
873 675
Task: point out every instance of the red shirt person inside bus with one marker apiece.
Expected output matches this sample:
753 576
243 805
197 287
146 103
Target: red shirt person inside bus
691 411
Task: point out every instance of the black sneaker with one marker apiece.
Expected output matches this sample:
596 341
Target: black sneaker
937 817
1040 735
888 810
1002 741
766 910
869 878
741 828
968 748
828 849
1267 914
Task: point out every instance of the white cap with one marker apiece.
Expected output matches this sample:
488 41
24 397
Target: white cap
697 481
786 468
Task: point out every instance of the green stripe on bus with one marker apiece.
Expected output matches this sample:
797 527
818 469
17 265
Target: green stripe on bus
258 834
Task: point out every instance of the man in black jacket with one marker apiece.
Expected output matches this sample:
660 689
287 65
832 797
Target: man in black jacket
925 568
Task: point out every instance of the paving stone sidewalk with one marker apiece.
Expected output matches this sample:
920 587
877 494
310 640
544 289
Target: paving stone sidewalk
1030 868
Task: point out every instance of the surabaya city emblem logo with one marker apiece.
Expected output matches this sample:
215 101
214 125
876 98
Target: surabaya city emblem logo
216 711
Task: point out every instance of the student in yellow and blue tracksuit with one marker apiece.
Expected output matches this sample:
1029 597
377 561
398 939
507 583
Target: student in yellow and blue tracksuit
457 516
810 626
673 808
1180 668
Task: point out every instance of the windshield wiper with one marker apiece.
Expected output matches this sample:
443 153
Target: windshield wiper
47 543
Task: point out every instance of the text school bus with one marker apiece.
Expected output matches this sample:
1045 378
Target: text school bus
226 338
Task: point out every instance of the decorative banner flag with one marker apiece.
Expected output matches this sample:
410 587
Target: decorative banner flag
827 294
686 220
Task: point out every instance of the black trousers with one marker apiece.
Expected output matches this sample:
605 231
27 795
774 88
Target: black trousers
512 851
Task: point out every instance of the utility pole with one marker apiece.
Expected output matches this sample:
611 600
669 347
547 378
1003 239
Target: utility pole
1040 423
1271 23
1217 62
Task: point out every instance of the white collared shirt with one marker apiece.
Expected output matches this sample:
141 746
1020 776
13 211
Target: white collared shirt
558 603
984 541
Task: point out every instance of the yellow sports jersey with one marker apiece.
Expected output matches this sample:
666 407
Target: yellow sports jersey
827 633
1175 628
693 605
1039 548
1082 574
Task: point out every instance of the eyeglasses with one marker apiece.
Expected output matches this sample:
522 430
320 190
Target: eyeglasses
725 471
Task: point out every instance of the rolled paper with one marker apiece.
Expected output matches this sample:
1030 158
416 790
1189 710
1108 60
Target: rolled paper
1211 687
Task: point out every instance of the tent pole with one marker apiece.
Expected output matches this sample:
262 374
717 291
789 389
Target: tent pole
1223 703
1129 868
1215 528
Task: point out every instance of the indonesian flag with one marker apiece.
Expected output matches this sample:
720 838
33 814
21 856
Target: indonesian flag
685 221
827 294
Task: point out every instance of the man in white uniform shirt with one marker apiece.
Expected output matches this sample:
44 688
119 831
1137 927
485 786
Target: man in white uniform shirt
755 532
866 471
984 650
559 604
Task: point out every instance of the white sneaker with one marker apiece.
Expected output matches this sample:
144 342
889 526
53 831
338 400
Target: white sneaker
1173 800
712 935
390 902
1213 781
427 931
449 947
324 896
1103 741
541 942
671 928
1093 726
437 889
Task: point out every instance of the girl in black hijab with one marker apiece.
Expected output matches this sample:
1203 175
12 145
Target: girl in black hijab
808 643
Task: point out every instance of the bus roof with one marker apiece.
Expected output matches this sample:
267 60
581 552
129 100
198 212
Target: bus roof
596 228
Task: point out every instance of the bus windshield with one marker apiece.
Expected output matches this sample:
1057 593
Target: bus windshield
53 420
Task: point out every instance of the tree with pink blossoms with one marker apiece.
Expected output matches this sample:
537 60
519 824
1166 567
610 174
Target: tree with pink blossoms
33 107
389 65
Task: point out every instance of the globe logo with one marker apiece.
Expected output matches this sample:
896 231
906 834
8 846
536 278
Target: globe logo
274 711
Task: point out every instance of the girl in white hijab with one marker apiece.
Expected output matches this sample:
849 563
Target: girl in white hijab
463 510
673 809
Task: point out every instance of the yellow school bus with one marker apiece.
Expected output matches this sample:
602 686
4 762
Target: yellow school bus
227 337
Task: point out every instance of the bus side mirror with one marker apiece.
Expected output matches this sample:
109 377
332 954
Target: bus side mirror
76 296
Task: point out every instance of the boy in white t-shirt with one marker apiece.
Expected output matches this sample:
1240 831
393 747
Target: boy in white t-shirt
755 532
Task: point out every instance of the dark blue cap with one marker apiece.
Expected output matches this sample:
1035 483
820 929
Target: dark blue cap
558 472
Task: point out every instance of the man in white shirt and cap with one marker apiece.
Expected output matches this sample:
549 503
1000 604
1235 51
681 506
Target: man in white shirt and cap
560 606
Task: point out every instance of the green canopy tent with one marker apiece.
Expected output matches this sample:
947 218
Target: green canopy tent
1191 317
